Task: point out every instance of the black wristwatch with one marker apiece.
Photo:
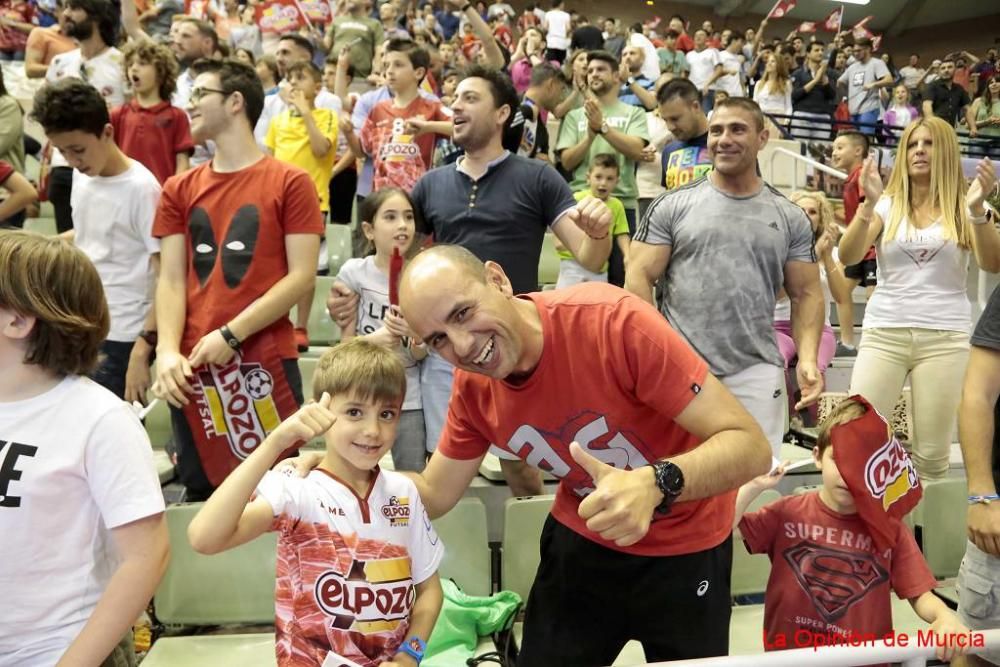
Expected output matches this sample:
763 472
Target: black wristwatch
670 482
231 340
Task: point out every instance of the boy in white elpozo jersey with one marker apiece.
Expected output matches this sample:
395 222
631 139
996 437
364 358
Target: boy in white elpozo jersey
357 556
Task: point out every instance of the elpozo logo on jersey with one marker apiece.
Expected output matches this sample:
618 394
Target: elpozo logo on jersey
237 404
397 511
375 596
889 472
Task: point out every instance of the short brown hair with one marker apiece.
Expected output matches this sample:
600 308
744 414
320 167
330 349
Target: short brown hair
160 57
306 68
845 411
744 104
605 160
54 282
361 369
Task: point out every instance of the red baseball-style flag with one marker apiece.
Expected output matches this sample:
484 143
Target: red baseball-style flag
807 27
395 269
876 42
833 22
781 8
877 471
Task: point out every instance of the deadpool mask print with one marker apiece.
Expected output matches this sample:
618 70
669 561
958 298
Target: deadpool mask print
237 248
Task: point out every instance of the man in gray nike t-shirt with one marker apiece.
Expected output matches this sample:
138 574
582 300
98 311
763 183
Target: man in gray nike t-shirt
721 248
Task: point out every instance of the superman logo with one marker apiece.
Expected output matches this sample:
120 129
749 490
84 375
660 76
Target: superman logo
833 579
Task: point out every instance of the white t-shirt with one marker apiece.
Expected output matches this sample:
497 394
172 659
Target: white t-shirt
557 29
731 83
113 223
346 565
921 280
105 71
651 59
372 287
911 75
771 101
85 466
649 175
702 64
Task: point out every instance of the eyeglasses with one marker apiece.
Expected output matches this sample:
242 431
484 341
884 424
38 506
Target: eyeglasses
198 93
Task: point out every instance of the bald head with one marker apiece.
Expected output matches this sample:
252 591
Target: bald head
441 264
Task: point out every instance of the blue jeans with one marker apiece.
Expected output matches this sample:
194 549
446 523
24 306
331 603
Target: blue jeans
866 121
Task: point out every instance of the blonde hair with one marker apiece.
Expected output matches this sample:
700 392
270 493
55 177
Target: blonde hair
54 282
777 83
845 411
948 185
362 369
827 220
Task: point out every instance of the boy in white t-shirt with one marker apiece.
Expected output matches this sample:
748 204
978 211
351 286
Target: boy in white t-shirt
114 202
81 511
357 556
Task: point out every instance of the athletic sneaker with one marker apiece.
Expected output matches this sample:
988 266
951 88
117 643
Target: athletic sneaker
845 351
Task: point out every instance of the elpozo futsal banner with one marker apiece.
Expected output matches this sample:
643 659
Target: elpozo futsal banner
236 405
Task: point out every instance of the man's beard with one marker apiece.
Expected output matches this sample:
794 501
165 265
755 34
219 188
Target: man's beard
80 31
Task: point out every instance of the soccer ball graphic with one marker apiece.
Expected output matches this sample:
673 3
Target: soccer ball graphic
258 383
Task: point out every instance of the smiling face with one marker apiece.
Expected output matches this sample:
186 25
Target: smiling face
393 226
734 140
601 77
364 431
476 118
472 323
207 109
901 95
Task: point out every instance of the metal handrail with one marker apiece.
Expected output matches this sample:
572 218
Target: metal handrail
914 654
808 160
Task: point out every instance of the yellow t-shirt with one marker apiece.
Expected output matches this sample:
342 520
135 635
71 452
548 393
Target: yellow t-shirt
288 139
619 223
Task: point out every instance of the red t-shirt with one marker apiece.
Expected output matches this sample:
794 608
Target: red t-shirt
684 43
153 136
235 226
11 39
399 159
826 574
853 196
612 376
5 171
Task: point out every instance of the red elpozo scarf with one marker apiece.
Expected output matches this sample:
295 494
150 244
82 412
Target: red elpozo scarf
877 471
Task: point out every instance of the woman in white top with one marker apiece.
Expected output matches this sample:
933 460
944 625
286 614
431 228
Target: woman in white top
774 90
832 280
918 319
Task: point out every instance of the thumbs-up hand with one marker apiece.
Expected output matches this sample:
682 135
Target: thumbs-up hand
621 507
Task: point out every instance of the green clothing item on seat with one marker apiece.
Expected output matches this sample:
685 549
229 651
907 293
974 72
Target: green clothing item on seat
463 620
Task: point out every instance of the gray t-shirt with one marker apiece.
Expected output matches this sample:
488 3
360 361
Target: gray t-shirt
372 286
856 76
726 266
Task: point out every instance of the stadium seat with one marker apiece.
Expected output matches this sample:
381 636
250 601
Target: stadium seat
338 246
45 226
941 513
523 519
467 558
307 367
779 170
323 330
158 426
234 587
548 263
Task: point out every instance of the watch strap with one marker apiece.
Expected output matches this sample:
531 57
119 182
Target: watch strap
231 340
414 647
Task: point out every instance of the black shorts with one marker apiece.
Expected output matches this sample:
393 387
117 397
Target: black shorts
588 601
864 272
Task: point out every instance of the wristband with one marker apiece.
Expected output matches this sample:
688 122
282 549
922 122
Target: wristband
231 340
598 238
413 647
979 219
983 500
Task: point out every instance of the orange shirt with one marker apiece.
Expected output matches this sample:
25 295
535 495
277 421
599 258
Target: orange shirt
613 376
235 226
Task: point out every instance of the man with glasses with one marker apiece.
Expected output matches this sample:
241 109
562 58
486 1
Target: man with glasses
253 225
94 25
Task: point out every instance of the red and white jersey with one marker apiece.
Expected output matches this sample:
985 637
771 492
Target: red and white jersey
347 566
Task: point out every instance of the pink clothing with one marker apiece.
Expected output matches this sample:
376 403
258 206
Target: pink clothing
786 344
